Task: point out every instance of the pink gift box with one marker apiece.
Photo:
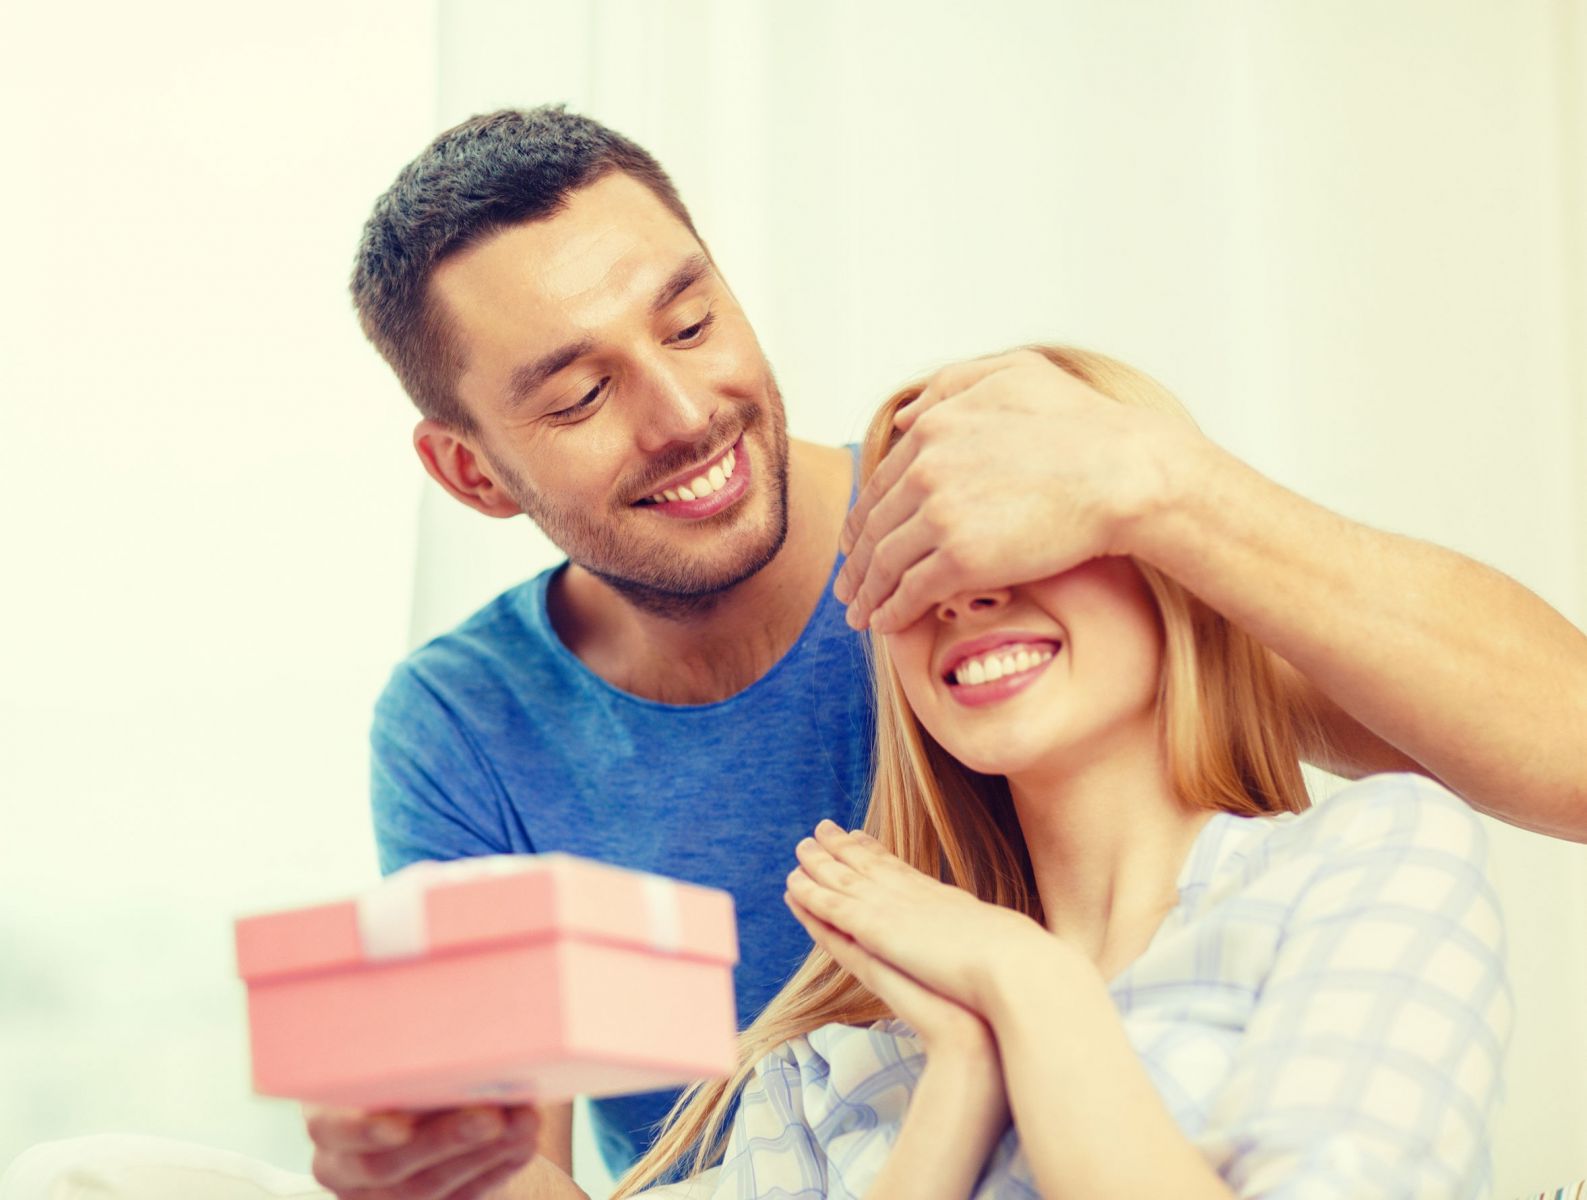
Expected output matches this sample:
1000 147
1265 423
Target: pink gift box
514 978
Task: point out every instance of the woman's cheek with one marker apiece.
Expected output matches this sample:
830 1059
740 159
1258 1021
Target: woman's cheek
911 660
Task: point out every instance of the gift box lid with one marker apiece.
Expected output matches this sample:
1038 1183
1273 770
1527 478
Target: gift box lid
432 908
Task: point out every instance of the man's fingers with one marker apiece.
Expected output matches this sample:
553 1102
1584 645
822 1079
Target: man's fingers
882 487
894 463
523 1120
456 1178
355 1130
930 579
455 1135
891 511
897 554
945 383
949 382
855 567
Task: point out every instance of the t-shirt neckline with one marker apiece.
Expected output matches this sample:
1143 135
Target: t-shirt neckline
542 614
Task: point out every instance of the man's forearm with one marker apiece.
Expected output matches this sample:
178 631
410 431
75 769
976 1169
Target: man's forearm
1457 666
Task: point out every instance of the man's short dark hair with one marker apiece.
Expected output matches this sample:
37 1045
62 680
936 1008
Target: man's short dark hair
492 171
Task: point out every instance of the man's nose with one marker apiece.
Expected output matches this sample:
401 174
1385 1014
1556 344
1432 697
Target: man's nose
982 600
675 408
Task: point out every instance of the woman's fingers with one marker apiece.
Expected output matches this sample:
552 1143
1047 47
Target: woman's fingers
931 1014
850 863
824 902
822 867
854 849
850 955
814 925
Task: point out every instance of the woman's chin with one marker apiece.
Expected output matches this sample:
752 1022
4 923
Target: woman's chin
1004 759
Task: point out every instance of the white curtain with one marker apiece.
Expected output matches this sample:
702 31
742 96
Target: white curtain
208 531
1352 237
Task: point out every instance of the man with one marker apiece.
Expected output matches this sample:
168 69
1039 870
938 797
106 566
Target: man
683 694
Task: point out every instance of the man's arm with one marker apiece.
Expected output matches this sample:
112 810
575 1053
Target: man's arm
1011 470
1410 655
549 1176
556 1135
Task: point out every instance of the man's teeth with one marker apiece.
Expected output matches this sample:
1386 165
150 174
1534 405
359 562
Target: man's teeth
1005 660
702 485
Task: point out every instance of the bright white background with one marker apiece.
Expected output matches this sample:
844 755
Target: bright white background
1353 238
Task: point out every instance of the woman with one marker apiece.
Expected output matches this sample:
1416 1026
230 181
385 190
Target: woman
1089 895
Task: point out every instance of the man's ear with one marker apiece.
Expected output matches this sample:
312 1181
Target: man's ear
452 462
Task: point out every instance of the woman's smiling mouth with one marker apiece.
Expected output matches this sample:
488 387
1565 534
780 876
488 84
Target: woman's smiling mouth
994 667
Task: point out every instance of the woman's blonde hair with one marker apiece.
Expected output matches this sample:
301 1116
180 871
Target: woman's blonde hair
1232 736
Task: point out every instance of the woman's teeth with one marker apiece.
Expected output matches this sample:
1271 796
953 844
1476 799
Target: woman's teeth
701 485
1005 660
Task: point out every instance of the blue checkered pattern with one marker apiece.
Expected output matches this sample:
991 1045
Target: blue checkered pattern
1324 1013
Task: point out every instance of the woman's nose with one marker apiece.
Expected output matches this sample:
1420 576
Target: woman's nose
964 603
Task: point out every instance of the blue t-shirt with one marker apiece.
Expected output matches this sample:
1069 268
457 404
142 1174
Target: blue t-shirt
495 739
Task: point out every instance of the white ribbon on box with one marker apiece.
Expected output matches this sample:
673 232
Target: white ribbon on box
391 915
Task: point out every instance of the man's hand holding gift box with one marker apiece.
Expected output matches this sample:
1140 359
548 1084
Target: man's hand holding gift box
480 988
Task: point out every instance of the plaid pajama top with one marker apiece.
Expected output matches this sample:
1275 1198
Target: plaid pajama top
1324 1013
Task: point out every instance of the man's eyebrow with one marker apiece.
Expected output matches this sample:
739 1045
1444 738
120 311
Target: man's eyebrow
693 269
524 381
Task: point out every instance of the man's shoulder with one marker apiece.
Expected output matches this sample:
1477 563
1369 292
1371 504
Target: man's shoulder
505 642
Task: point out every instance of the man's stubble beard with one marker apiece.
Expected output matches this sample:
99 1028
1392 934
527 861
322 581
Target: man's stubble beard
663 583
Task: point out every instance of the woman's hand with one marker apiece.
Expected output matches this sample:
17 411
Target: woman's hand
938 935
944 1026
1009 469
959 1106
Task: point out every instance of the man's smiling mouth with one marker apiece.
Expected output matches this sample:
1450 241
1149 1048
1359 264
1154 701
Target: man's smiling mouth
705 482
